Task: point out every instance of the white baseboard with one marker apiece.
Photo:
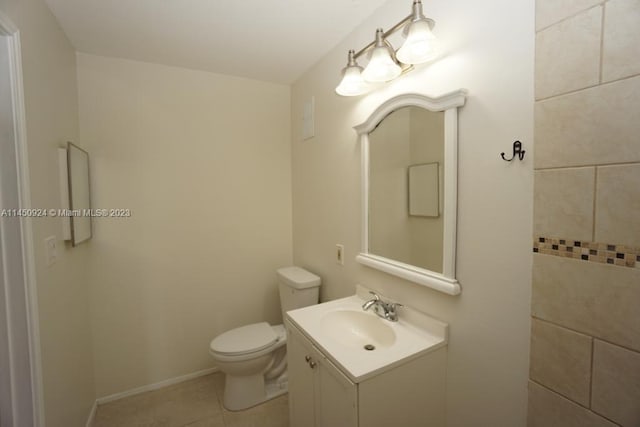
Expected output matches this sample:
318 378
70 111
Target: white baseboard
92 414
143 389
155 386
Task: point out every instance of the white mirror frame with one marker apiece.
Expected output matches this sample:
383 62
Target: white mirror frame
449 103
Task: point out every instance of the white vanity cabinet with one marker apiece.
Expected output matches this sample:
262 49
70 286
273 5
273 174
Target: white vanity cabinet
319 394
323 395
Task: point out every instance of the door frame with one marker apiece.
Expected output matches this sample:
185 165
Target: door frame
28 310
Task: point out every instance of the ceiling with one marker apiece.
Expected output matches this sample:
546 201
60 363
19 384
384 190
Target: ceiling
269 40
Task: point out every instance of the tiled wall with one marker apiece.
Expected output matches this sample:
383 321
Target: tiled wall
585 337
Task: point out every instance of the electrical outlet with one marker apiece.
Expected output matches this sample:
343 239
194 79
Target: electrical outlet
340 254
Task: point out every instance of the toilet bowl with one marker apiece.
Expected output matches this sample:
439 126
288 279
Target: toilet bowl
253 357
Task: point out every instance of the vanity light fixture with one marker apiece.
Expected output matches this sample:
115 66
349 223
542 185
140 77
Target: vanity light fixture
385 64
421 45
352 83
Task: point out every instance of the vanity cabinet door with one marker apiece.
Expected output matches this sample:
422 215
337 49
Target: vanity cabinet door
336 401
301 380
319 394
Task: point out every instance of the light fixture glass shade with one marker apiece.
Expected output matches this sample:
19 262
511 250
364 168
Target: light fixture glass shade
352 83
420 45
382 66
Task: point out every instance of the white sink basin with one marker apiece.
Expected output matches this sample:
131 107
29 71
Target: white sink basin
357 329
362 343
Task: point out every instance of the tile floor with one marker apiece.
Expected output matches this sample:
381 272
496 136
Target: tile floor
194 403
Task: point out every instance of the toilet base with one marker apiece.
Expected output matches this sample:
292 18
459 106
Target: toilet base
244 392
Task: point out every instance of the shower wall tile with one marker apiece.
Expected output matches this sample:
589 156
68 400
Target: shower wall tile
601 252
593 126
563 203
561 360
549 409
616 384
621 46
585 342
618 204
551 11
568 55
600 300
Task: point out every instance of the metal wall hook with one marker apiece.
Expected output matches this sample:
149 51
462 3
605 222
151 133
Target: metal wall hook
517 151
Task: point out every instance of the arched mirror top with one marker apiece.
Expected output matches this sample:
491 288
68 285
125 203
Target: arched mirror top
409 147
441 103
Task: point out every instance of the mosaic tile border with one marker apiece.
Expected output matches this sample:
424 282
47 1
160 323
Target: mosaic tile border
604 253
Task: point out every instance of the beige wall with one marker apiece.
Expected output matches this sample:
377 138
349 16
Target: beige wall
585 341
202 161
49 73
489 51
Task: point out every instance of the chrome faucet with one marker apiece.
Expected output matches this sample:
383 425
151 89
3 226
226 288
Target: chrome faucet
386 310
376 300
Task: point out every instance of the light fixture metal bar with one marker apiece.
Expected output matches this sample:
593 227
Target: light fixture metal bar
386 34
383 65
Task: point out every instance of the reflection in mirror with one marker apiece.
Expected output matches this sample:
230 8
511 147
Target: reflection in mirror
404 219
79 200
409 149
424 190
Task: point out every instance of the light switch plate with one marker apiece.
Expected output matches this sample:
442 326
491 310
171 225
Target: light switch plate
51 250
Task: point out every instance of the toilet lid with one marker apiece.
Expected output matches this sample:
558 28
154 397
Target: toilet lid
245 339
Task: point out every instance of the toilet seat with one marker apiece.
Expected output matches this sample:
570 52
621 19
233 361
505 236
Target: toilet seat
246 340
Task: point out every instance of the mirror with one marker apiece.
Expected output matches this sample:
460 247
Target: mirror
79 200
405 151
409 189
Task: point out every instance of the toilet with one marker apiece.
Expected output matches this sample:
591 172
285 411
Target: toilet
253 357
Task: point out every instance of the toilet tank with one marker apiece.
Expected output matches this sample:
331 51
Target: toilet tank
298 288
